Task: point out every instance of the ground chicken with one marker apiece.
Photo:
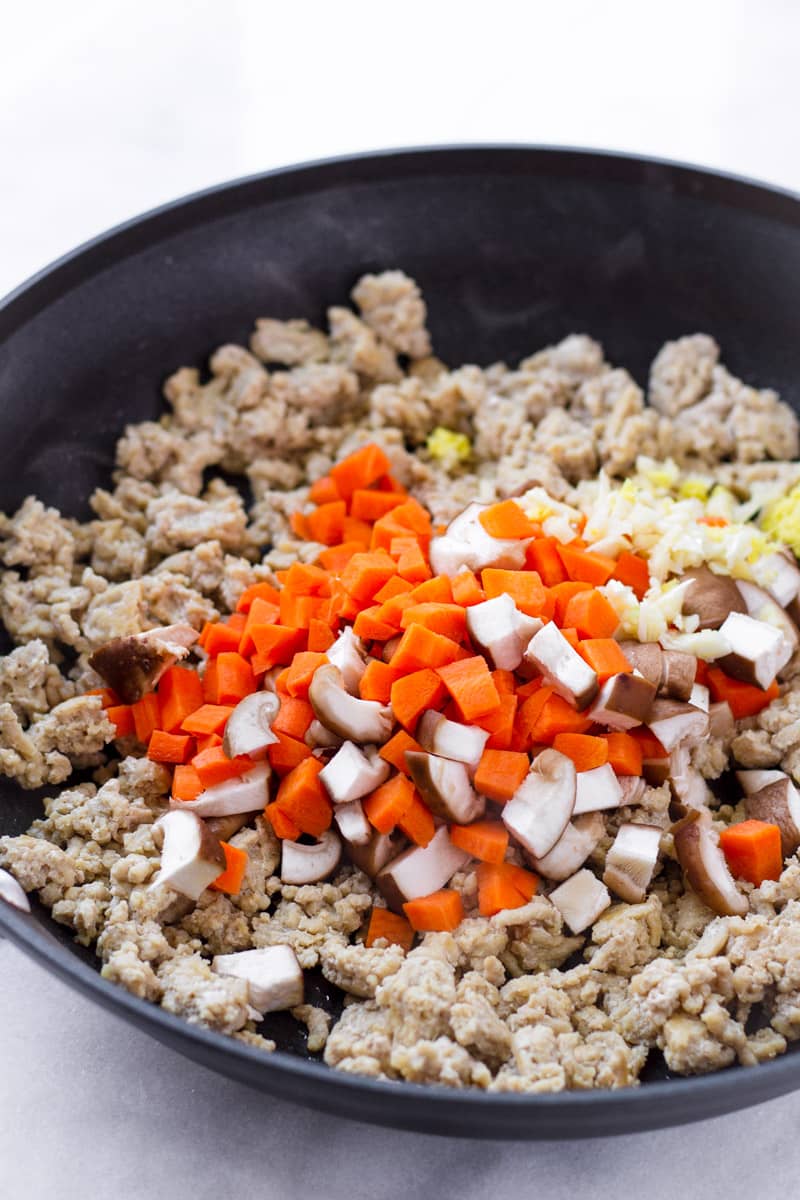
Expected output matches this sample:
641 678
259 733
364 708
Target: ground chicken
292 343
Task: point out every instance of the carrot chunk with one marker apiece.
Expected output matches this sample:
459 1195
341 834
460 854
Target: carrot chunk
394 751
220 637
169 747
209 718
324 490
282 824
438 590
180 692
285 754
502 886
303 798
470 684
499 724
294 716
586 567
412 694
507 520
275 646
561 594
388 804
447 619
420 647
624 753
745 699
232 878
604 656
369 626
585 750
370 505
261 612
417 821
260 591
121 717
360 469
146 716
389 927
633 571
753 851
557 716
301 672
326 523
376 682
413 565
524 587
320 636
336 558
485 840
186 783
466 589
592 615
500 772
214 766
442 910
542 556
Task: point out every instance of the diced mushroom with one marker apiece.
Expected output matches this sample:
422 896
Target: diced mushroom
778 804
390 647
646 658
673 722
541 808
689 788
132 666
445 787
758 650
704 865
449 739
677 675
720 720
467 544
779 574
700 697
623 702
633 788
191 856
248 729
273 975
317 737
12 892
573 847
352 823
596 790
501 631
352 773
244 794
364 721
763 607
562 667
711 597
225 827
580 900
755 780
348 654
309 864
269 681
631 861
372 856
421 870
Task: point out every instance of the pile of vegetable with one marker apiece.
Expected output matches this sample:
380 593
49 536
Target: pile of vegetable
417 699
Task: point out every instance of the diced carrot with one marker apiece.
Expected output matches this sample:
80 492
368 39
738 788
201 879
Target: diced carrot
485 840
385 530
169 747
180 692
442 911
388 483
542 556
592 615
411 694
502 886
466 589
434 591
376 682
301 672
753 851
235 678
557 716
561 594
500 772
505 682
186 783
745 699
391 611
417 821
470 684
506 520
393 587
285 754
220 637
360 469
304 799
275 646
624 753
447 619
320 636
499 724
294 717
528 715
524 587
412 565
336 558
297 611
604 656
121 716
369 626
413 516
419 648
648 743
298 525
326 523
394 751
209 682
214 766
388 804
366 573
232 878
701 672
370 505
389 927
571 636
585 750
260 591
209 718
207 741
146 716
633 571
282 824
526 690
323 490
358 531
261 612
584 566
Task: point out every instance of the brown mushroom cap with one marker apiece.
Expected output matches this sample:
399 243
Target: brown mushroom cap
624 701
678 674
705 867
375 854
646 658
711 597
129 666
778 804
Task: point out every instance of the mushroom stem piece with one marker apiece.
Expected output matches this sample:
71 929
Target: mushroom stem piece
449 739
573 847
351 773
580 900
274 976
310 864
248 729
562 666
540 809
631 861
704 865
191 857
501 631
244 794
363 721
596 790
421 870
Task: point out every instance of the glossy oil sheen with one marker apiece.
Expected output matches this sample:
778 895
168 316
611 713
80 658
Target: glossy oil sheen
514 248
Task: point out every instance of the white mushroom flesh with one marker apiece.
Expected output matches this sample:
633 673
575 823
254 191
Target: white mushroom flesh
596 790
248 730
755 780
673 722
501 631
541 808
421 870
562 666
449 739
273 975
364 721
778 804
12 892
445 787
758 650
309 864
779 574
581 900
352 823
467 544
700 697
704 865
631 861
351 774
348 654
623 702
573 847
191 856
244 794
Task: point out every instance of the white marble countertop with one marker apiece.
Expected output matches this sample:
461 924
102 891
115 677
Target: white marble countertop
106 110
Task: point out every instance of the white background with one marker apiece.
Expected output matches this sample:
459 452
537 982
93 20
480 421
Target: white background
109 108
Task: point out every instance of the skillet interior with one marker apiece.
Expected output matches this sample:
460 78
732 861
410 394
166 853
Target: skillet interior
513 249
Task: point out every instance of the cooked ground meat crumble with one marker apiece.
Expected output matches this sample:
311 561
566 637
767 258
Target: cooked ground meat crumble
489 1004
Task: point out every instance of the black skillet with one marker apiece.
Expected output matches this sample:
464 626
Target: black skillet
514 248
